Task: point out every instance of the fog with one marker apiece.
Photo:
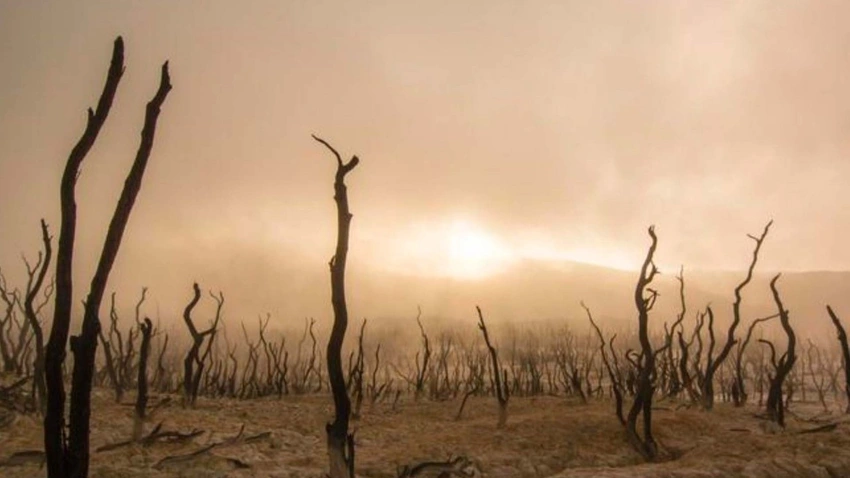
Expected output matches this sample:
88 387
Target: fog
498 141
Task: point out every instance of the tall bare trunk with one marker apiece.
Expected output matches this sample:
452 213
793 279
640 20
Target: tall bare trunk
340 442
71 457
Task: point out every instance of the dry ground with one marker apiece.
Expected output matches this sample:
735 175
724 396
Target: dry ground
545 437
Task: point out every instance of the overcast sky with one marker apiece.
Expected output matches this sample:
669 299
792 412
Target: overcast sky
536 129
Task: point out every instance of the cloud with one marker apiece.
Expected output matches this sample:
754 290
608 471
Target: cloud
582 122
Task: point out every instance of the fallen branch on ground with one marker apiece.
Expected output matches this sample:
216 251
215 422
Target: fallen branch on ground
155 435
24 457
823 428
460 466
238 439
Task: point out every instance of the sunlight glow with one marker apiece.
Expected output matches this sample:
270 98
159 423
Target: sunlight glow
464 250
472 252
458 249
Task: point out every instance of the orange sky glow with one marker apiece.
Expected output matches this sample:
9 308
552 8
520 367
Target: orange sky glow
492 134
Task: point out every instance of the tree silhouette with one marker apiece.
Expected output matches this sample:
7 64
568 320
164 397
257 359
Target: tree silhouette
69 456
340 442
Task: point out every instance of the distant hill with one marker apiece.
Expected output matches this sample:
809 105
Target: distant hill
256 283
542 290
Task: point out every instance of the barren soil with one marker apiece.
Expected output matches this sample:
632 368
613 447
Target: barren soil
545 437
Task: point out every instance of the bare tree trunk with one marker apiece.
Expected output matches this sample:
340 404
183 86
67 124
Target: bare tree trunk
71 458
193 364
54 420
39 387
10 299
85 345
422 370
645 388
110 360
499 375
356 374
775 406
845 353
142 396
340 442
616 382
712 365
739 390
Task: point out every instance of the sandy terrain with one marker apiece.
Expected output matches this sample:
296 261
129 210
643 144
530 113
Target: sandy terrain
545 437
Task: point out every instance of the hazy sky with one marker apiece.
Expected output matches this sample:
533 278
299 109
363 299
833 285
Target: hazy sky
488 131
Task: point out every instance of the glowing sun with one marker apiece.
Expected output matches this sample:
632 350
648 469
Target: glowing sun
462 249
472 252
459 249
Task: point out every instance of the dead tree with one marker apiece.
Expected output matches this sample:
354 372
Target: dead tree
18 332
70 457
280 356
205 358
500 376
783 366
423 368
197 339
698 375
845 353
674 382
684 373
712 366
567 366
126 349
311 368
7 321
356 366
616 382
670 379
145 328
475 365
303 372
340 442
442 385
31 312
249 379
162 376
193 364
269 382
375 389
645 298
819 375
739 391
113 351
707 318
